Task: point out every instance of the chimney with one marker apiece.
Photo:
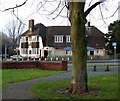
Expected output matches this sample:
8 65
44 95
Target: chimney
88 24
31 25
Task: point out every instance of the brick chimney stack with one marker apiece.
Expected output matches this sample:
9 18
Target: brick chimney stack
88 24
31 25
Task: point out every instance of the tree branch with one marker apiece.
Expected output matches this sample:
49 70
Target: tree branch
15 6
93 6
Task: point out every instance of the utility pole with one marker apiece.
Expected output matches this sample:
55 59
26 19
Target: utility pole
17 32
5 51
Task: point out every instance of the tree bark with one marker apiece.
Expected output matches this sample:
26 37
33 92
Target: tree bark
79 48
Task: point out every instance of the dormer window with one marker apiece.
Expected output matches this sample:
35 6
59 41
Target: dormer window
68 38
58 38
88 28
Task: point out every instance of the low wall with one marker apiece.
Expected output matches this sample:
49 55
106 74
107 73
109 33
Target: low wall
35 65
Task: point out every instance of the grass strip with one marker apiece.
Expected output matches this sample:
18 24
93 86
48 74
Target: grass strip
108 84
12 76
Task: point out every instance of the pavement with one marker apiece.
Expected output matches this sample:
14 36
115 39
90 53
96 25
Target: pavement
22 90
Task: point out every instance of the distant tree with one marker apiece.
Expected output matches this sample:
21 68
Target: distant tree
14 29
113 36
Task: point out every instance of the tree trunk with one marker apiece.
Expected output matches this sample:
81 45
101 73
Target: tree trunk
79 48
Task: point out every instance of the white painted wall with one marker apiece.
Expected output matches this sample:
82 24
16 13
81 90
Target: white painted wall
30 48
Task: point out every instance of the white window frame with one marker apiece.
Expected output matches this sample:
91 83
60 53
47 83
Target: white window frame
58 38
68 38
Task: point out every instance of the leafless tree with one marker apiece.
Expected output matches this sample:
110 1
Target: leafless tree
14 29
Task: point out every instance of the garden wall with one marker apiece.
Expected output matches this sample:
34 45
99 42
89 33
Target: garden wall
35 65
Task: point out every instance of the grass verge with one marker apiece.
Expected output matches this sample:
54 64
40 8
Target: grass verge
108 84
12 76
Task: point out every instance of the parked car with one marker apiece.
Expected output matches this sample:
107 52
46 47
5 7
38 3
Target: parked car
15 57
3 55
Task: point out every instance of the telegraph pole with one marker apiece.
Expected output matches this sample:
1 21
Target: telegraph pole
17 31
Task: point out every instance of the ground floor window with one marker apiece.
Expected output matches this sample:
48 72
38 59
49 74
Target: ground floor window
66 52
24 51
91 52
33 50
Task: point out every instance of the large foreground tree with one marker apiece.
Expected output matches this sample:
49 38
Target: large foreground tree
77 18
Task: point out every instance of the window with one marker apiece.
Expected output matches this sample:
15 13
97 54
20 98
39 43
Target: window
66 52
33 38
58 38
88 28
33 50
91 52
24 51
68 38
23 39
97 51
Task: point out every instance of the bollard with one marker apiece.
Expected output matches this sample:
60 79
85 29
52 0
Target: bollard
107 68
68 59
34 59
39 59
94 69
51 59
56 59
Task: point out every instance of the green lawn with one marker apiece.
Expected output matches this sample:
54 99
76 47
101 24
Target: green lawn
107 84
12 76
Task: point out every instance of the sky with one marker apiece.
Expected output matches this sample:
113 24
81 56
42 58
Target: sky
33 9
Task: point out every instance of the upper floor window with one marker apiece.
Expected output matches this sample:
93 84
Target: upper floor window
68 38
35 38
23 39
58 38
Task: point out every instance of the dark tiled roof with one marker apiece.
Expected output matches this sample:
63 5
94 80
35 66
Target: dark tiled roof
95 36
58 30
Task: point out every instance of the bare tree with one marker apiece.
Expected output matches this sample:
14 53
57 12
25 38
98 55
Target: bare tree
14 30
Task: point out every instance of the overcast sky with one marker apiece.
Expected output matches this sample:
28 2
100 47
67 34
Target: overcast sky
30 11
